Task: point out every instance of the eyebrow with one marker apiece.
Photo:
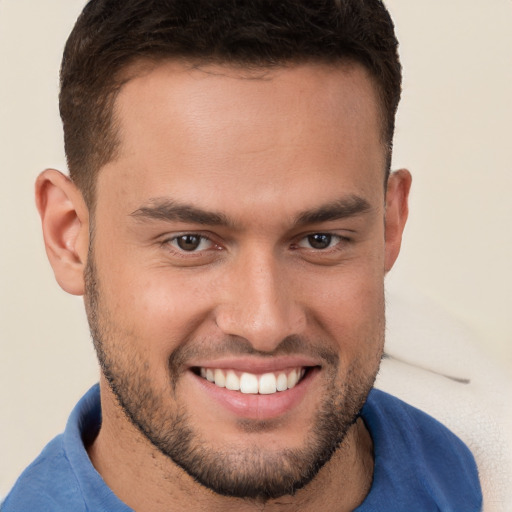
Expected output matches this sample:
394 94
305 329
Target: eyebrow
168 210
350 206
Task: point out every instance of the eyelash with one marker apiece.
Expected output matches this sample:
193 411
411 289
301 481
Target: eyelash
340 240
332 237
179 250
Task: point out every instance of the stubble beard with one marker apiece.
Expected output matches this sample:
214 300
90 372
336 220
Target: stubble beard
250 473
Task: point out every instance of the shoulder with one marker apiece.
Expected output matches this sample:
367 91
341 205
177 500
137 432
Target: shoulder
391 417
63 478
417 459
47 484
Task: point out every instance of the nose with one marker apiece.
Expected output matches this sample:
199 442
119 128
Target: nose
260 303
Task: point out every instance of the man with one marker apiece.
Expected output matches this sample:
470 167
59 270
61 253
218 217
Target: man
229 218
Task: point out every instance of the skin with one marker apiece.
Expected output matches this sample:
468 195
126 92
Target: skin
261 151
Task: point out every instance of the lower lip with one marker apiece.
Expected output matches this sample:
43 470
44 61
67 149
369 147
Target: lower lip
258 407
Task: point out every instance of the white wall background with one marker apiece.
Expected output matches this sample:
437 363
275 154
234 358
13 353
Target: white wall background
453 132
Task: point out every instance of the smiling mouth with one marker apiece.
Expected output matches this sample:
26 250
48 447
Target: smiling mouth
250 383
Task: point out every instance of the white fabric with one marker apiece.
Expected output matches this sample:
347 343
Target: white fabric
434 364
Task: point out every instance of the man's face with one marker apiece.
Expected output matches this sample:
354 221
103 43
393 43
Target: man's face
239 237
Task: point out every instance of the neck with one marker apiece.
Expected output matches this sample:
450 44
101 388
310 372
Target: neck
146 480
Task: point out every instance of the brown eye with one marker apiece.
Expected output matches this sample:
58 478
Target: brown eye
319 240
190 242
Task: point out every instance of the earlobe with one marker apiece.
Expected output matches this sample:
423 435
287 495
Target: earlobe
65 223
397 210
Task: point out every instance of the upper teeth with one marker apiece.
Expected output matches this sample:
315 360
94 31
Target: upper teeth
265 384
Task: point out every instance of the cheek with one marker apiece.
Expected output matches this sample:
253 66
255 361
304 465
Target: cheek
351 310
152 311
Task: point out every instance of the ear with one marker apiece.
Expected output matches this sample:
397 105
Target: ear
397 210
65 222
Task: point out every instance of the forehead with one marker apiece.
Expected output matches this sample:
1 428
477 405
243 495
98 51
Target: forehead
266 131
226 93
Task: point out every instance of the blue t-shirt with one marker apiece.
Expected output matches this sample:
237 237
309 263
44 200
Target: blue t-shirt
420 466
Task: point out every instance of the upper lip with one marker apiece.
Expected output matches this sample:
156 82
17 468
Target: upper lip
257 364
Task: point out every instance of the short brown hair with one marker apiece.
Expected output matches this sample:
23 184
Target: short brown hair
110 35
